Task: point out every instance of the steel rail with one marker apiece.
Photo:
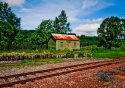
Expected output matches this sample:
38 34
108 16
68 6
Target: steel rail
89 66
51 69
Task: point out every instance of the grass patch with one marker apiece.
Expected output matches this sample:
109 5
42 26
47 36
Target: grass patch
97 53
38 62
26 62
112 53
5 66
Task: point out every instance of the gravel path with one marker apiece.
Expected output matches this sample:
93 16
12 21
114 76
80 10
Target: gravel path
80 79
41 67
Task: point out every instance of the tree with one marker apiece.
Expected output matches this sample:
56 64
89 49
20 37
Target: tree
47 26
110 30
38 38
6 34
45 29
88 40
123 28
19 41
9 25
60 24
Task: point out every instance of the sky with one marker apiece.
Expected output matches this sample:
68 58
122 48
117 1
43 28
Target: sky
85 16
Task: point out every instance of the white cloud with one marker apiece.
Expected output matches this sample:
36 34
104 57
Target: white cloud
89 28
89 3
32 13
14 2
32 17
98 20
90 6
86 29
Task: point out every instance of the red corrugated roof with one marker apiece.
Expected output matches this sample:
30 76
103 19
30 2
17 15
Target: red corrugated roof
65 37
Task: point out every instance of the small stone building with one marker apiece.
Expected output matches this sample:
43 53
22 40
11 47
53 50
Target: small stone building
64 41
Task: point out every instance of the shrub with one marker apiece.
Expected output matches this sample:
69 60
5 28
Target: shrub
122 48
116 44
89 55
53 51
70 54
80 54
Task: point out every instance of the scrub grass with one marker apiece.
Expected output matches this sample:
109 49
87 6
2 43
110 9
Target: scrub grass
26 62
113 53
38 62
97 53
101 52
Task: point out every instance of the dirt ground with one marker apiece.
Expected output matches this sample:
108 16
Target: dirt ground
100 77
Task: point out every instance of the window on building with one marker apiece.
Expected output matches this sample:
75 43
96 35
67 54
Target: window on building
61 44
74 44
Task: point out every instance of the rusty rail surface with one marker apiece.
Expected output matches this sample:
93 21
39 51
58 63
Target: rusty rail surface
67 69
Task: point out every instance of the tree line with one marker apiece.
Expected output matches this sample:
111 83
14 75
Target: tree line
110 32
12 37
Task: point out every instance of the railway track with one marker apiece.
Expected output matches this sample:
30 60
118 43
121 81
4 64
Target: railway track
10 80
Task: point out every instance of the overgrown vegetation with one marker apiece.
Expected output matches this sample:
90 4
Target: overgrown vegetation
110 42
97 53
12 37
70 54
80 54
27 62
111 31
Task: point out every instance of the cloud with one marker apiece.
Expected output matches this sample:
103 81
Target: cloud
86 29
90 6
89 28
32 12
98 20
33 16
89 3
14 2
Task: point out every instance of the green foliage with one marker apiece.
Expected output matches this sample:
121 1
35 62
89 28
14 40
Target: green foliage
70 54
117 43
47 26
27 62
86 49
60 23
11 37
44 30
53 51
38 62
112 53
80 54
123 28
122 48
110 30
18 41
9 25
22 40
88 40
38 38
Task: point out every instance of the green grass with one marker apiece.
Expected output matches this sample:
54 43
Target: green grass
26 51
113 53
101 52
97 53
5 66
38 62
27 62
